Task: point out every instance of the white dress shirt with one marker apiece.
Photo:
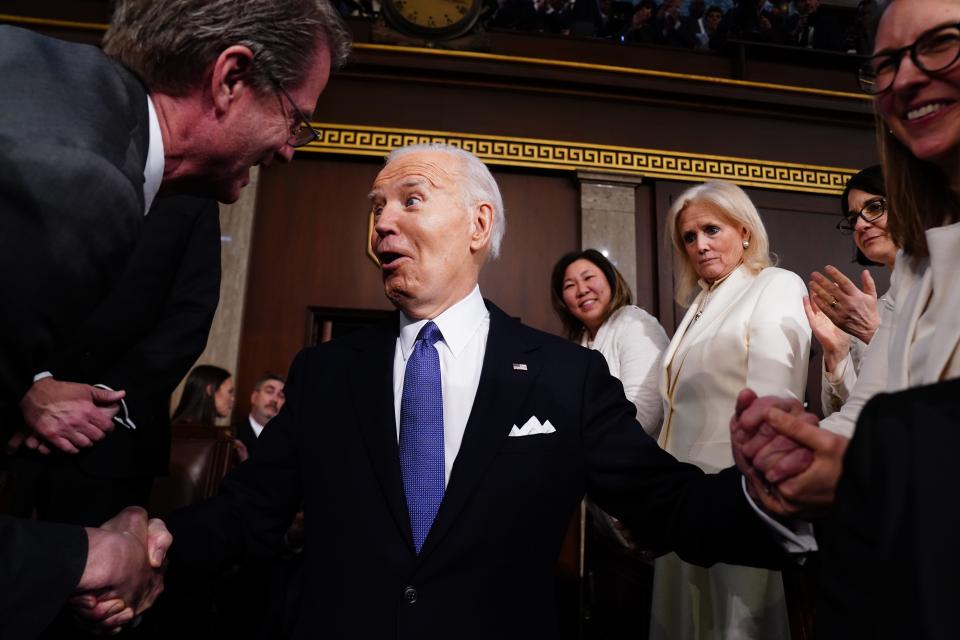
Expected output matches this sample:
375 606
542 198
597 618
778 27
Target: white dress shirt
153 169
256 426
465 327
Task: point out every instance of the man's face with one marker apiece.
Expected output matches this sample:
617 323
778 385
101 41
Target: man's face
811 6
429 244
258 130
713 19
266 402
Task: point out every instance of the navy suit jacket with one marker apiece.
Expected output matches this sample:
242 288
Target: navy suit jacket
486 568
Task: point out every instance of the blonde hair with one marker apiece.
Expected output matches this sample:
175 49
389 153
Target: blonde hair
730 201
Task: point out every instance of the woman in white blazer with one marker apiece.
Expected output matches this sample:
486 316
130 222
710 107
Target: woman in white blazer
593 302
918 341
745 327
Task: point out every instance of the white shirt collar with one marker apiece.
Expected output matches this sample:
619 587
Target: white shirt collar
256 426
457 323
153 170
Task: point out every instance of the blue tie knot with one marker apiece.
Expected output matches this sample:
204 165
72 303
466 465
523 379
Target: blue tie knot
430 333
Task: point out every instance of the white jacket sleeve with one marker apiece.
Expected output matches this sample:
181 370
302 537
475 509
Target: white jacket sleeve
778 348
640 343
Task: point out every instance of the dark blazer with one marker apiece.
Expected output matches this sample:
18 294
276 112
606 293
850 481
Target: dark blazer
73 143
40 564
244 433
890 556
148 332
486 568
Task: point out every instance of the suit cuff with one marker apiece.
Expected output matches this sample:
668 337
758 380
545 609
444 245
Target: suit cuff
796 538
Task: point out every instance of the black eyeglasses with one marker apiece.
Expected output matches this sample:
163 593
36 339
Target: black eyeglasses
872 211
302 132
933 51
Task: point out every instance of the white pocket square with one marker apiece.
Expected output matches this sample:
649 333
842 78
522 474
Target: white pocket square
532 427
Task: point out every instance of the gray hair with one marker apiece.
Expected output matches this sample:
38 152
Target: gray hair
169 43
479 186
732 203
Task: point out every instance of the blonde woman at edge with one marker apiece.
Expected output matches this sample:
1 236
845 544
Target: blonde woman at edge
745 327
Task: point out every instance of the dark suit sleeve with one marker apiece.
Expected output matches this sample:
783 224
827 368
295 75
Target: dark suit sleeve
669 505
164 355
71 195
258 500
40 565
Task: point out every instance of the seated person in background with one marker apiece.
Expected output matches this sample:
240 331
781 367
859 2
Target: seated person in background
844 318
641 29
701 30
744 327
265 403
208 395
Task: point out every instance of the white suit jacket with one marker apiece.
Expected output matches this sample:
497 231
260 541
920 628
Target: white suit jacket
753 333
919 333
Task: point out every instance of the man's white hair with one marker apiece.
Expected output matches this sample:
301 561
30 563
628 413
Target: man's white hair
479 187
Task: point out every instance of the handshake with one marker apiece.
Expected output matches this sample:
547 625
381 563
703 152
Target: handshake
791 465
123 575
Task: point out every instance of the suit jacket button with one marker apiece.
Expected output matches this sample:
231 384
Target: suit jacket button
410 595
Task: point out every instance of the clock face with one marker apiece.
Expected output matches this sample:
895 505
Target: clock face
438 18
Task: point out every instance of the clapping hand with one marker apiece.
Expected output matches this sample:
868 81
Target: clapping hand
852 310
124 570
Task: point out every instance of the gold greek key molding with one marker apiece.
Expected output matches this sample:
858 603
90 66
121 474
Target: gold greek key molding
535 153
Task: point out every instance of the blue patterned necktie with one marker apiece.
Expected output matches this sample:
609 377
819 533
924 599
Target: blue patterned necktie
421 433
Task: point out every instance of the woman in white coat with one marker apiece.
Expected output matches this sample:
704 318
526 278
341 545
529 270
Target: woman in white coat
745 327
915 80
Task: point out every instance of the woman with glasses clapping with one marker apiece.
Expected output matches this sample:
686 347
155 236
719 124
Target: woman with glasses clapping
843 317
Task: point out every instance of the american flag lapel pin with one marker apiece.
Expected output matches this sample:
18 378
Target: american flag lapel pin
519 366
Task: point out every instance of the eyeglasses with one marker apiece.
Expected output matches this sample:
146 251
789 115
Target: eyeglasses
871 212
933 51
302 132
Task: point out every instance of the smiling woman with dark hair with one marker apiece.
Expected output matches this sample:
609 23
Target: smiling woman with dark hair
842 316
594 303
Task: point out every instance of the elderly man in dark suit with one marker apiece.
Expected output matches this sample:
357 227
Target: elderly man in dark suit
439 457
186 96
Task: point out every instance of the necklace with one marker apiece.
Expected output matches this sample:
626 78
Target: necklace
701 306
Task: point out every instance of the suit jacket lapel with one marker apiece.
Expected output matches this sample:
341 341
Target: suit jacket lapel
371 387
501 391
944 266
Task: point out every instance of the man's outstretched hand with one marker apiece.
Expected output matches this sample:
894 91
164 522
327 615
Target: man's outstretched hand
790 463
124 570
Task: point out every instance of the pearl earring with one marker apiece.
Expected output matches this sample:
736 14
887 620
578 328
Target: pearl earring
746 244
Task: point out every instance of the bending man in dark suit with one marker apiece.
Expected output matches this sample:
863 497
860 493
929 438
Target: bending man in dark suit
186 96
435 515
